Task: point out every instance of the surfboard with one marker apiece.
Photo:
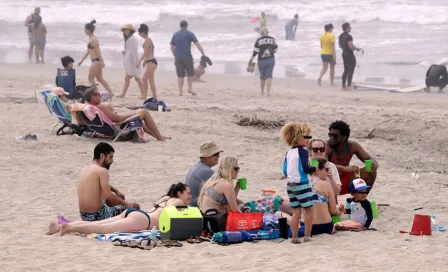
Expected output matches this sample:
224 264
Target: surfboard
373 87
412 89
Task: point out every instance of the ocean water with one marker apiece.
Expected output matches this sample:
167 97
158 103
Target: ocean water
401 38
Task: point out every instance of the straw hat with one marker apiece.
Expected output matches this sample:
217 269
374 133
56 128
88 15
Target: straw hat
208 149
128 26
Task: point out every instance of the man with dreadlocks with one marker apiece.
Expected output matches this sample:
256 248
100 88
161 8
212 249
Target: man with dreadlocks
340 151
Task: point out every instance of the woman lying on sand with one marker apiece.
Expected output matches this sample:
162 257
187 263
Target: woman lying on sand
131 219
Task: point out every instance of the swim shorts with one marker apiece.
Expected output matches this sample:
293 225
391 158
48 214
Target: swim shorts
327 58
266 68
322 228
184 66
104 213
300 195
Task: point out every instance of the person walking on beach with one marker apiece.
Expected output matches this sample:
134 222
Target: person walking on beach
131 61
265 47
347 46
93 49
181 48
263 22
29 21
148 61
39 38
328 53
291 28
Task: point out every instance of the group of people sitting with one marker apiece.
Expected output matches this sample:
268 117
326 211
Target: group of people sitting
104 209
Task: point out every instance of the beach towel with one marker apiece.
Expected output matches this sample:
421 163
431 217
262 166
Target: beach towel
125 236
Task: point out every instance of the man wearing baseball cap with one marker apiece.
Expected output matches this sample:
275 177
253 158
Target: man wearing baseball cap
358 207
209 153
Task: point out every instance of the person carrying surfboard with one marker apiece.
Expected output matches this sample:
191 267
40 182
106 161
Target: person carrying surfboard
348 56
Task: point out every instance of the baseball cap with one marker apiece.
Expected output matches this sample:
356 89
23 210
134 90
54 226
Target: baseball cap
59 91
208 149
357 185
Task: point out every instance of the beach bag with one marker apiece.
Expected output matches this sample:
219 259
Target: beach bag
153 105
244 221
264 204
214 221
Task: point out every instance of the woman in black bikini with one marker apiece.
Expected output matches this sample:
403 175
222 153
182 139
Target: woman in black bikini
129 220
149 61
93 49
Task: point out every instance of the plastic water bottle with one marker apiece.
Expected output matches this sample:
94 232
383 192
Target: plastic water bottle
154 232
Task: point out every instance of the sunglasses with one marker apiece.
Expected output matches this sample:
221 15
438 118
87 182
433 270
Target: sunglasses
318 149
308 137
334 136
362 193
236 169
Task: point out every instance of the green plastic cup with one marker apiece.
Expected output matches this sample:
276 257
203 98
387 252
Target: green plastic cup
243 183
368 164
314 163
374 208
336 219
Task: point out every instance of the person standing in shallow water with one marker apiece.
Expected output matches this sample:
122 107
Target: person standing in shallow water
328 53
347 46
291 28
131 61
93 49
29 21
39 39
265 47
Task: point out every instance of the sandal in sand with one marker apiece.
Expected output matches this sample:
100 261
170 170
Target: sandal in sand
194 240
171 244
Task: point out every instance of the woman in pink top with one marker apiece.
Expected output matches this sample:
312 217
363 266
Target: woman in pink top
39 38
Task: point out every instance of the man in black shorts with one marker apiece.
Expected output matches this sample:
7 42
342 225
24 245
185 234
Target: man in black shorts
181 48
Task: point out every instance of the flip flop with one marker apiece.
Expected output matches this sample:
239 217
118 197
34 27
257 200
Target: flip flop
147 244
170 244
194 240
438 228
127 243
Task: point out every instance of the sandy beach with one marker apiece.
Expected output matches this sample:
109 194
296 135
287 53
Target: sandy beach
38 177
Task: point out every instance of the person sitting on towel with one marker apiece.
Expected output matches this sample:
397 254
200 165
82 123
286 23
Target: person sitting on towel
436 76
97 198
66 77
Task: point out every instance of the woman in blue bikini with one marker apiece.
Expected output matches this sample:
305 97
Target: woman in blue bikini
93 49
131 219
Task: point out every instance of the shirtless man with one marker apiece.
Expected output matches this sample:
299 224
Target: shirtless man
340 151
94 190
93 97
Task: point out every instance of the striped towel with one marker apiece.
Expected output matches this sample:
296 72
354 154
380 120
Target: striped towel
125 236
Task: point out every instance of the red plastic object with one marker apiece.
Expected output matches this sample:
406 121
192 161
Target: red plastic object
421 225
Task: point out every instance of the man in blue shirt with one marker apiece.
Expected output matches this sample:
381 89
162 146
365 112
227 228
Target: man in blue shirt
181 48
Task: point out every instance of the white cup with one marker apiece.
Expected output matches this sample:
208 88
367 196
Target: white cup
160 108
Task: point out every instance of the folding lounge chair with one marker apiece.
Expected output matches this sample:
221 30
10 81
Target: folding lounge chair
57 109
99 126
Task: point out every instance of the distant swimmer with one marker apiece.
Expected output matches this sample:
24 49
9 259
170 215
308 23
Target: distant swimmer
328 53
29 21
347 46
291 28
263 22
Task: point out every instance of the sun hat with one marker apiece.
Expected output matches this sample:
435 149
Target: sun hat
128 26
59 91
358 185
208 149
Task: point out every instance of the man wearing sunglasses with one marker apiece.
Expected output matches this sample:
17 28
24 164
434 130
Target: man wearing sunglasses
202 171
340 151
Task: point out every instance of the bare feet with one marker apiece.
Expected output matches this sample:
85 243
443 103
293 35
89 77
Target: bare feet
307 239
142 98
296 241
164 139
64 229
120 96
319 81
53 228
181 93
192 93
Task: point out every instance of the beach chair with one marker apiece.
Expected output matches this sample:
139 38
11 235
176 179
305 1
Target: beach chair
102 126
64 118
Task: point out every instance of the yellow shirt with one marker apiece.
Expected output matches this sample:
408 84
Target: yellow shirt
327 41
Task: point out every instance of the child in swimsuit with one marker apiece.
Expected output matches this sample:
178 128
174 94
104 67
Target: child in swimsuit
200 69
296 169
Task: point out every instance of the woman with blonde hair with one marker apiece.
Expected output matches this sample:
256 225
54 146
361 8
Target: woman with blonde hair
93 49
219 192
